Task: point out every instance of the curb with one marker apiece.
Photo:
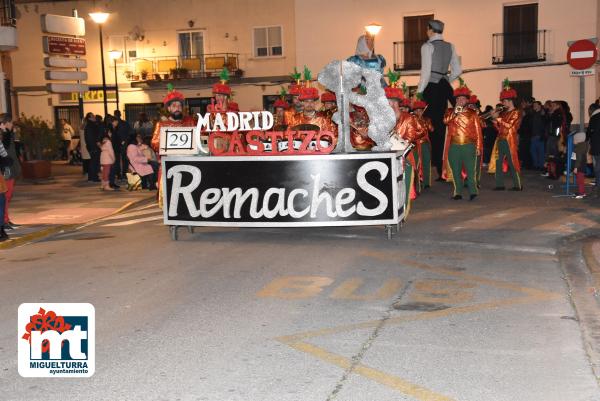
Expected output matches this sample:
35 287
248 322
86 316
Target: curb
583 293
41 234
591 262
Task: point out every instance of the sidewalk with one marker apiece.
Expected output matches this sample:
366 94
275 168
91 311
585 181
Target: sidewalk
591 254
65 200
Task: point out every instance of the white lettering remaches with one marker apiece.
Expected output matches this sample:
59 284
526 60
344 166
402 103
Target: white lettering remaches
274 201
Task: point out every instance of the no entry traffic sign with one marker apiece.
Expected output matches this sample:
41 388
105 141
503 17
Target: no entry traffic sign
582 54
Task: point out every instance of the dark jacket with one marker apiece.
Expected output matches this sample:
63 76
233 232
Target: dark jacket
557 123
8 140
538 124
122 131
593 133
92 136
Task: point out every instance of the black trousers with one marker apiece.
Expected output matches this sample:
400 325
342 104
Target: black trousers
116 170
437 97
94 167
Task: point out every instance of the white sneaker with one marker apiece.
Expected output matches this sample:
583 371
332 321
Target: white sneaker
580 196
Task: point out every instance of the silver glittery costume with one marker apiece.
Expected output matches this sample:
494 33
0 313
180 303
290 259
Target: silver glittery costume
341 78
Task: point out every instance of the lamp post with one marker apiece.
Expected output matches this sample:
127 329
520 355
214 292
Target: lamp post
373 28
115 55
100 18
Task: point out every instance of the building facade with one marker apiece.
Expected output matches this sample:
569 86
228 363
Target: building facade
187 42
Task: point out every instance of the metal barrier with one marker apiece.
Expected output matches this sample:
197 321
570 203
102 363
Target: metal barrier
569 175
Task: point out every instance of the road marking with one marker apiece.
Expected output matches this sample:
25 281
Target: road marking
446 291
567 224
295 287
297 341
390 256
347 290
132 214
430 214
401 385
59 216
131 222
493 220
498 247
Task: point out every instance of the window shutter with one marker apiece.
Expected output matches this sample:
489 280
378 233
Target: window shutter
260 42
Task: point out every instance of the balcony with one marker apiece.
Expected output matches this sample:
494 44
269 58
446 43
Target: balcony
519 47
175 67
407 55
8 25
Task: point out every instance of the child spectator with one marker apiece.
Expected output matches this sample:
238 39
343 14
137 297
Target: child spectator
107 159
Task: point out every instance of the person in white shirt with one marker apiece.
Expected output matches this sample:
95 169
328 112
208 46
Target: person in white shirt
67 134
437 56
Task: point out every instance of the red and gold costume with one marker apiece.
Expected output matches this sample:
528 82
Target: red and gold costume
328 97
507 125
323 122
463 139
186 121
473 104
281 107
423 143
464 126
406 128
291 112
359 127
507 141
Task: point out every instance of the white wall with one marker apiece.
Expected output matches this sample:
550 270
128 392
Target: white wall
329 30
160 20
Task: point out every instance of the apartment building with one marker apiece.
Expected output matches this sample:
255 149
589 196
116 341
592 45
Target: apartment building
187 42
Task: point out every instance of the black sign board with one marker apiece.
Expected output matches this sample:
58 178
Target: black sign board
270 191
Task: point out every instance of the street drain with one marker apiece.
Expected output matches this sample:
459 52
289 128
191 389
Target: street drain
420 306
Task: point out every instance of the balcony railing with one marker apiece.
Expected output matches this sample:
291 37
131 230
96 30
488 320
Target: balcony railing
519 47
8 14
175 67
407 55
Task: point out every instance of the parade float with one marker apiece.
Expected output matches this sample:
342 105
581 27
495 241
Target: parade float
235 169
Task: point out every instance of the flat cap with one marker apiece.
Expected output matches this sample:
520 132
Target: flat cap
436 25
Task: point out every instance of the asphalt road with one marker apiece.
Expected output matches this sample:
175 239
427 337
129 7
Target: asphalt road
468 302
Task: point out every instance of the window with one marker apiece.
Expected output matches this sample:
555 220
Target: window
191 44
520 33
415 34
268 41
269 101
133 110
197 105
524 90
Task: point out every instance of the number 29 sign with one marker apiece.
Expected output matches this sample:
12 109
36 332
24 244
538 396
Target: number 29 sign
178 141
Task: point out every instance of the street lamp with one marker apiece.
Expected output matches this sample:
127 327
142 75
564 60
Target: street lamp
373 28
100 18
115 55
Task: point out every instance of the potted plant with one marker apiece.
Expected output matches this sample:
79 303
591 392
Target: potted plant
184 73
128 74
239 73
41 144
144 75
157 77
